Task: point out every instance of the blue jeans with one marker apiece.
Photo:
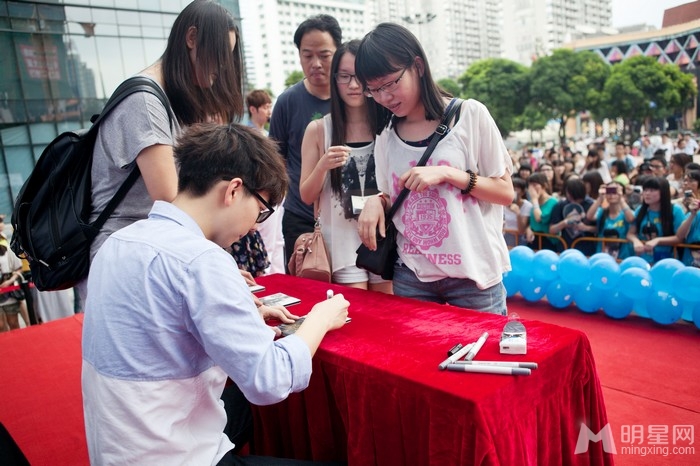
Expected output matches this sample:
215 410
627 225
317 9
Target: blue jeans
460 292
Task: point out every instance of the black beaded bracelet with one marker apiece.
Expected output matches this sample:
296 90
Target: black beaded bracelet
472 182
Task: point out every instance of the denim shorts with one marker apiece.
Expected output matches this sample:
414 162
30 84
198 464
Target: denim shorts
460 292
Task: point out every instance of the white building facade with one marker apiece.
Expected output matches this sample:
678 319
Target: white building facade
454 33
533 28
268 34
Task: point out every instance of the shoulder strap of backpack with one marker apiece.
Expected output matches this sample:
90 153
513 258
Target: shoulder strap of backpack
128 87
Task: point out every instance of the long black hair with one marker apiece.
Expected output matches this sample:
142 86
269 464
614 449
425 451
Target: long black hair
338 116
665 209
390 48
223 99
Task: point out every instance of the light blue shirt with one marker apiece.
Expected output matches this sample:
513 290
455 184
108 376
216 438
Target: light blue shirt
692 238
166 310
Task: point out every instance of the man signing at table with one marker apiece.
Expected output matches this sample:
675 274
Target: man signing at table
168 315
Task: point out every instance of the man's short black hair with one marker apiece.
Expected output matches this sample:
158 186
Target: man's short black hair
323 23
207 153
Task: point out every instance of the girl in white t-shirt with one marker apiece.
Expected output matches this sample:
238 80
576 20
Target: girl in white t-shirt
450 242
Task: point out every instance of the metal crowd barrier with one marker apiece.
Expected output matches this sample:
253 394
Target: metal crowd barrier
539 237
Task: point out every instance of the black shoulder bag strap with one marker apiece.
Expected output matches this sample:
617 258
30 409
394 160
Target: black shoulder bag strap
440 132
128 87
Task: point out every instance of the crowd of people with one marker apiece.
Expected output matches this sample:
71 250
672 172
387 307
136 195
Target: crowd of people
639 199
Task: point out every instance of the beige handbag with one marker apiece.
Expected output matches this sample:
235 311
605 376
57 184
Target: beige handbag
310 258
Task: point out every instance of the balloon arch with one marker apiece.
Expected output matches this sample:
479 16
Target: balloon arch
666 292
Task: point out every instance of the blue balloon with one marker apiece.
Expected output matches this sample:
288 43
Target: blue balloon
688 308
664 308
634 262
560 294
568 252
600 256
512 283
696 315
587 298
686 284
605 274
635 283
574 269
640 308
544 265
521 260
662 274
617 305
533 289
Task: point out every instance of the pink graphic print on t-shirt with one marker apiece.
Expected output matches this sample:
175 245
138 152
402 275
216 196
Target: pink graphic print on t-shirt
425 219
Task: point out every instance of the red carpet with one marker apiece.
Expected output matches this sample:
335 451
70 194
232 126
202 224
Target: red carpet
650 376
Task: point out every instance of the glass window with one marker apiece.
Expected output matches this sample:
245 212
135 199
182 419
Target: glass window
153 5
130 31
136 60
85 58
20 163
110 62
13 112
14 136
128 4
151 19
42 133
102 2
107 30
21 10
51 26
63 126
127 18
168 21
51 12
154 49
154 32
100 16
23 24
78 14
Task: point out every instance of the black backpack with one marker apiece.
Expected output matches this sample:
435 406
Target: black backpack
51 217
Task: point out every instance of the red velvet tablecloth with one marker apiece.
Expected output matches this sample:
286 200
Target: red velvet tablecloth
377 397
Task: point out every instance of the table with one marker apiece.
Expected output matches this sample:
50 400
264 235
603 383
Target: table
377 397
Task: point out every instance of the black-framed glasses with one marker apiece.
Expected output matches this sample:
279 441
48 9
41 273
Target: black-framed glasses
656 166
345 78
263 214
386 88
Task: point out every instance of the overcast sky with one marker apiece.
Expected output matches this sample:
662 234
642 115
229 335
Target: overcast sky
629 12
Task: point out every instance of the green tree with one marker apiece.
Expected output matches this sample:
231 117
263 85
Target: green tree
533 119
641 88
501 85
567 82
293 78
451 86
